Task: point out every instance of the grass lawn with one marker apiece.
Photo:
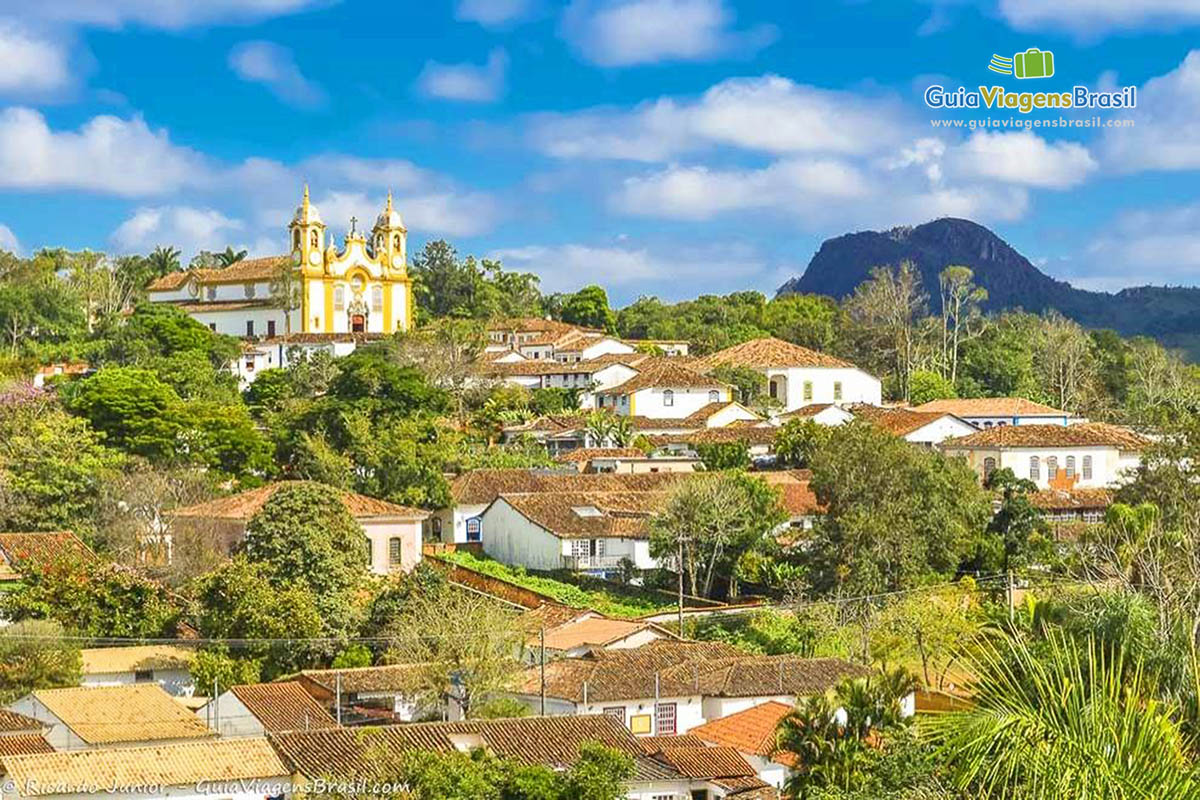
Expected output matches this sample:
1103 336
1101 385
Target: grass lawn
571 590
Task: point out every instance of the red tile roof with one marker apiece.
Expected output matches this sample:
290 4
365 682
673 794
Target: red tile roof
768 353
571 515
664 373
482 486
248 269
991 407
246 504
1086 434
283 706
588 453
23 744
38 547
12 722
751 731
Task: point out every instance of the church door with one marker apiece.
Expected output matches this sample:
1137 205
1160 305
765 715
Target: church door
358 323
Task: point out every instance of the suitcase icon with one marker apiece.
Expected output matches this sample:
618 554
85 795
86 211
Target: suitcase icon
1033 63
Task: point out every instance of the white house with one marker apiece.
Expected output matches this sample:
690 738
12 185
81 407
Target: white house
593 532
663 389
797 376
588 377
162 664
670 687
926 428
1089 455
989 412
262 708
752 733
110 716
828 414
393 532
547 339
232 769
571 633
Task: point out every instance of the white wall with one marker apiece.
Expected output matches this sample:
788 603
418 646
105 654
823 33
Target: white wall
939 431
177 682
380 533
1107 463
857 386
229 717
511 538
605 346
650 402
57 734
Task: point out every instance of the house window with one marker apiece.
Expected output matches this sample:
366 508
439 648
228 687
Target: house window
377 298
212 326
210 292
250 290
989 466
1087 468
1035 468
808 390
474 529
249 327
437 526
339 298
395 550
270 327
615 711
714 396
837 390
143 676
773 389
1052 467
668 398
1070 466
664 719
580 548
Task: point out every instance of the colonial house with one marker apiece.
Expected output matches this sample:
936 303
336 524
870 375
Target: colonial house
315 290
593 532
393 532
588 377
553 742
389 693
564 632
231 769
828 414
798 501
162 664
663 389
1088 455
547 339
670 687
472 492
727 770
1070 511
261 708
752 734
925 428
797 376
627 461
21 735
110 716
991 412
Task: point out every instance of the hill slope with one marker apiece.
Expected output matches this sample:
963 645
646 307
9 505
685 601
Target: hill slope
1167 313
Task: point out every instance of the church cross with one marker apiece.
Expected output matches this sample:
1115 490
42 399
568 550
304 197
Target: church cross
353 222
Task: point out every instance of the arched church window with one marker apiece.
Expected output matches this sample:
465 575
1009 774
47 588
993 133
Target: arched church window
296 239
314 241
377 298
339 298
396 241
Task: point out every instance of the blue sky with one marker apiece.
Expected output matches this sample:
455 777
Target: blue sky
668 147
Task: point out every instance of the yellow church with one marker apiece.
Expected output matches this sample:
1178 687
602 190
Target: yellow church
316 297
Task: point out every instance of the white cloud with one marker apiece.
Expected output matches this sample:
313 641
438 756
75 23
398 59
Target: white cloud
1022 158
465 82
8 240
1159 246
1166 135
32 64
493 13
767 114
163 14
567 267
107 154
620 33
190 229
275 68
1092 17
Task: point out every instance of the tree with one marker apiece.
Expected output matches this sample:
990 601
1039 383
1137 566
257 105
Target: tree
724 455
935 627
461 634
447 286
589 308
53 466
447 353
925 386
37 307
712 520
213 670
808 320
1062 721
286 293
798 440
277 623
164 260
887 307
306 536
228 257
36 654
130 406
961 315
1017 533
1063 359
749 385
873 537
92 598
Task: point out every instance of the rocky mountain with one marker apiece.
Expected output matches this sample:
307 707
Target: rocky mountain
1171 314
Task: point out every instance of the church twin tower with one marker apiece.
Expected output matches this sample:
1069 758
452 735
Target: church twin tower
363 289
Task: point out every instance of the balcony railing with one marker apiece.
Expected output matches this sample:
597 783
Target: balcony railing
592 562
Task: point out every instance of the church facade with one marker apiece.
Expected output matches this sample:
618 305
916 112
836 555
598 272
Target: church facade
316 297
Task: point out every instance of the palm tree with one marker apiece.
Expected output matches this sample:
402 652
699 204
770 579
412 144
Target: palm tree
1069 721
229 256
620 432
163 260
599 428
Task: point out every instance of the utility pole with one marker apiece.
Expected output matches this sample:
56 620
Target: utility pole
679 574
542 659
216 703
